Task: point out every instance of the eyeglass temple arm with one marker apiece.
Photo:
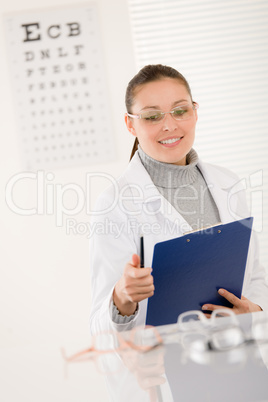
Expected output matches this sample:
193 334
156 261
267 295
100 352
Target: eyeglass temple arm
135 116
75 356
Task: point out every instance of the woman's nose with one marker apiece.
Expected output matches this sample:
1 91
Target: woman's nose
169 124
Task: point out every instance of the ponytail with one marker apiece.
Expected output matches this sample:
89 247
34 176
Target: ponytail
135 148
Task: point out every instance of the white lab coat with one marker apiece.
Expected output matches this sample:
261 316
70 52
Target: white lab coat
133 206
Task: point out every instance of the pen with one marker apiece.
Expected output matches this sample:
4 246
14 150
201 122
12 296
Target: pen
141 252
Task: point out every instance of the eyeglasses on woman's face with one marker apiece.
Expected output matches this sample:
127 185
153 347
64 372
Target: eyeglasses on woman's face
181 112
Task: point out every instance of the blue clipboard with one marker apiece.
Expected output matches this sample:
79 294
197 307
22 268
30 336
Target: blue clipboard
189 270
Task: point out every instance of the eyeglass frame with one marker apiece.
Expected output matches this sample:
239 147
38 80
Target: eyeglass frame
195 106
123 344
207 325
209 328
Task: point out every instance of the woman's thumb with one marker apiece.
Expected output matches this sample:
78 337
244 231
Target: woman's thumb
136 260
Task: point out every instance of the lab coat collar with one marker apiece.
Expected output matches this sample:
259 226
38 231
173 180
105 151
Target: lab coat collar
137 175
219 182
221 185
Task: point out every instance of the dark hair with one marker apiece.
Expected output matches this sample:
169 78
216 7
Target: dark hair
149 73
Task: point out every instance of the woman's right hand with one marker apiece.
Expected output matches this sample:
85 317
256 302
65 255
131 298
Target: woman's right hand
136 284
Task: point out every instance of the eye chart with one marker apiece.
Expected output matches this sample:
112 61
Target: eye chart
58 81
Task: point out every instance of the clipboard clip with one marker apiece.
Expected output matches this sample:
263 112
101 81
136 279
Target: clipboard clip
203 228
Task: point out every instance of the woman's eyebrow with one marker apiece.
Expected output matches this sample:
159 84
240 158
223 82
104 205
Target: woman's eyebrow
151 107
180 101
158 107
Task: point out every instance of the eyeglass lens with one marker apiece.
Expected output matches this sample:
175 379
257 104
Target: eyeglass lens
147 338
183 112
227 339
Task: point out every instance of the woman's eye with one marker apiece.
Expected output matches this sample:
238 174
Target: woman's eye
179 112
156 116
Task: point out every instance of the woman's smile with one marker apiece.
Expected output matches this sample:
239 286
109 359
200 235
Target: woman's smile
170 142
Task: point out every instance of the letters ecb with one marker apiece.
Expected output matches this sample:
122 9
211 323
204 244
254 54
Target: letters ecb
33 31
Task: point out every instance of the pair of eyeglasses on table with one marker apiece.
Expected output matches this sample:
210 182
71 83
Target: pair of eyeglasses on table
141 339
220 332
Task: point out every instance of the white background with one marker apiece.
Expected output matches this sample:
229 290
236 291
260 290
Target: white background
45 287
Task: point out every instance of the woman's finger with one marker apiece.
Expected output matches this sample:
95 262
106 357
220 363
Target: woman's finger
135 260
235 301
212 307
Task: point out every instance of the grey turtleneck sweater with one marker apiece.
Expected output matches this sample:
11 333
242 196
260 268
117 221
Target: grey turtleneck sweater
186 190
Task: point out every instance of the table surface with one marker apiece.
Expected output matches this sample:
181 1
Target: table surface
167 373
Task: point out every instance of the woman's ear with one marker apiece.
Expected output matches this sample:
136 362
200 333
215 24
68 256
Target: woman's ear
195 112
129 124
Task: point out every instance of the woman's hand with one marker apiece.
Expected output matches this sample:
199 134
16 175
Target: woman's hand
240 306
136 284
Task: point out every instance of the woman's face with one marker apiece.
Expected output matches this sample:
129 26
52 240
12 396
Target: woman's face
164 95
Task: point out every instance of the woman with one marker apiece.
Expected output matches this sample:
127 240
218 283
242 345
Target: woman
164 192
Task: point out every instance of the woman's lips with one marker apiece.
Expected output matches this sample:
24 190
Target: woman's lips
170 142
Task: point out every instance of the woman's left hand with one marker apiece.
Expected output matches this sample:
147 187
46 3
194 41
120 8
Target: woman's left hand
240 306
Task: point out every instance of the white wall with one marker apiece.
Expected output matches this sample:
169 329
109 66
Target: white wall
45 289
